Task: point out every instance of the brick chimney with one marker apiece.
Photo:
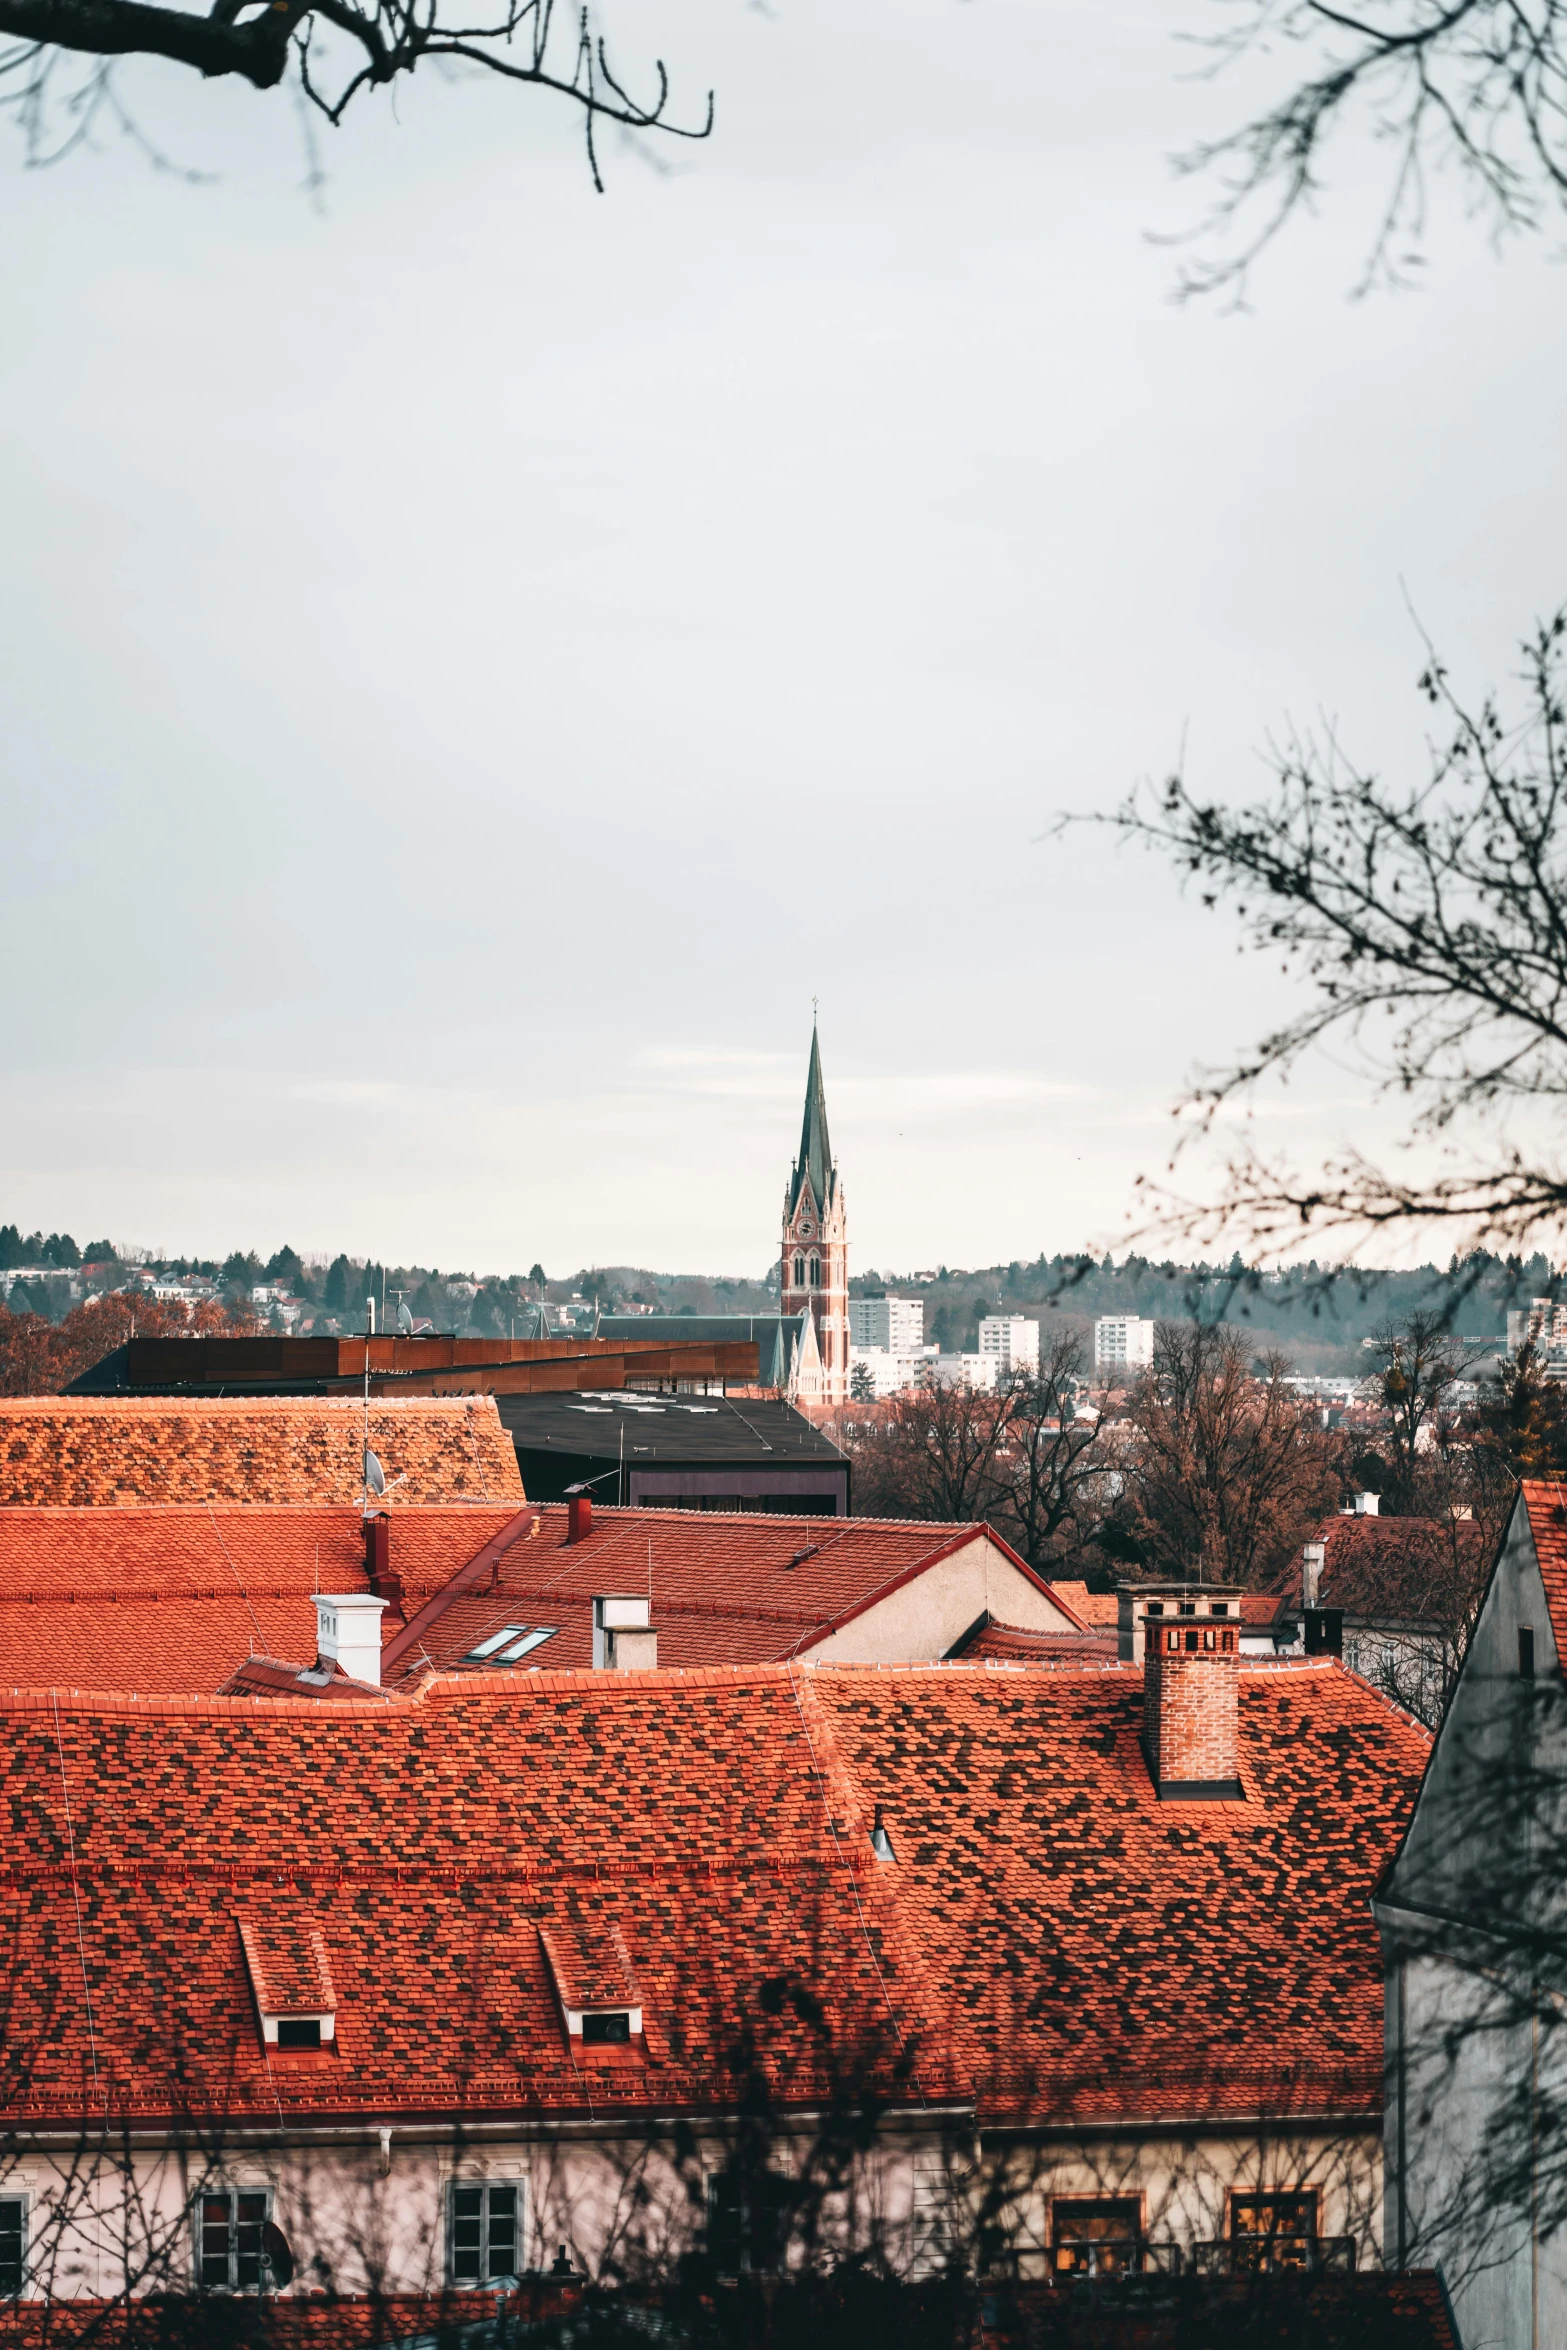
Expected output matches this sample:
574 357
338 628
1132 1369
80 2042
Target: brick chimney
378 1559
579 1517
1188 1643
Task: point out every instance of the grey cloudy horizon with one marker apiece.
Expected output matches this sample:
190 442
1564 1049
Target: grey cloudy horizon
479 659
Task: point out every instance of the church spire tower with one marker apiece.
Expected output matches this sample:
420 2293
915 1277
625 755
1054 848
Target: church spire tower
814 1271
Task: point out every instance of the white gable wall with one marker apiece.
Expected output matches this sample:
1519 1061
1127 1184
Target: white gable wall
925 1617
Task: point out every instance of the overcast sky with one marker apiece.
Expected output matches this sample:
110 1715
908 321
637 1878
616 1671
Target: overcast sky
478 659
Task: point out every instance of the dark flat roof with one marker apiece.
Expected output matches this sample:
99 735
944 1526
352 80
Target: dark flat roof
657 1429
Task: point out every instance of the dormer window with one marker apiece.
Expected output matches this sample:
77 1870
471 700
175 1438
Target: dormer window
590 1970
290 1974
607 2027
510 1644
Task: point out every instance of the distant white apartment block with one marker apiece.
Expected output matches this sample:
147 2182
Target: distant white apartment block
895 1324
1540 1324
1123 1342
965 1370
888 1373
1013 1342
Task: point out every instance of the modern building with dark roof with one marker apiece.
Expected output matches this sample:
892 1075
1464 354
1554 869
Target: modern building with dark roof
688 1452
785 1343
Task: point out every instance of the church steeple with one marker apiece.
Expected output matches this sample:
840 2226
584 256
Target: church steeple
815 1159
814 1268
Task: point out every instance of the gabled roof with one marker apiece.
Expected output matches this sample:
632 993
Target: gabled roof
1044 1925
1547 1508
1397 1570
725 1588
88 1452
815 1159
1012 1644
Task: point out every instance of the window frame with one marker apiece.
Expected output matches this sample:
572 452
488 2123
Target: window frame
752 2227
231 2193
1260 2244
24 2203
1062 2205
487 2276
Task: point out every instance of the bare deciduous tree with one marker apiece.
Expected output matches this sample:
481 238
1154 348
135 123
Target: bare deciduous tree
1428 923
1480 85
58 57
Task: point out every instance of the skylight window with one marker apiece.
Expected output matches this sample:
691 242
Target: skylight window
510 1644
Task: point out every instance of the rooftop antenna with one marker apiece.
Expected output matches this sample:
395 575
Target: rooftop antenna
405 1320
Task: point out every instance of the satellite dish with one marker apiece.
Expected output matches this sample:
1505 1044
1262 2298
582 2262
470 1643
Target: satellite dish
405 1320
275 2251
375 1475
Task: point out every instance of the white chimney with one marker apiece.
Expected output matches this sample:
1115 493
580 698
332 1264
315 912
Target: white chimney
348 1629
1368 1505
623 1637
1313 1558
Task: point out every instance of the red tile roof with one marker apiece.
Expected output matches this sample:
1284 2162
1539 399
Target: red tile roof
726 1588
1547 1508
1009 1644
90 1451
1043 1927
269 1676
170 1598
1090 1607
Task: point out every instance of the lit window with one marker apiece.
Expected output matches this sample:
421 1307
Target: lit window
484 2234
1274 2231
1096 2237
229 2229
13 2246
610 2029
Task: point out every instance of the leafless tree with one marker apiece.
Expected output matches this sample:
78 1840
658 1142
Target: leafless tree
1418 1364
1052 1471
1225 1474
1477 85
1428 925
58 58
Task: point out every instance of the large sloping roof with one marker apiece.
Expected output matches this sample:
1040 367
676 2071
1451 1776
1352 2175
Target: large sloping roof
95 1451
172 1598
1049 1940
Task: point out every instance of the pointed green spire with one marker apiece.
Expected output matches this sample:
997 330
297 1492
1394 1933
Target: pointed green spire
815 1157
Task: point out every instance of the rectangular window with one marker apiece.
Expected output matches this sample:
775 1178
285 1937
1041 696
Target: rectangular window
747 2221
510 1644
483 2234
299 2031
13 2246
611 2030
496 1640
228 2226
1274 2231
1096 2237
1526 1652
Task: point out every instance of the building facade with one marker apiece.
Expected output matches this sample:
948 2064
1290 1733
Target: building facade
813 1272
1013 1341
893 1325
1123 1342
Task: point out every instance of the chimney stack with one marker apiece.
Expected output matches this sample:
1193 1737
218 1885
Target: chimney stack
1313 1559
579 1517
1188 1643
378 1559
624 1640
348 1633
1368 1505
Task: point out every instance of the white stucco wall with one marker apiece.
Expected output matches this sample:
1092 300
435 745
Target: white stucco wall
920 1622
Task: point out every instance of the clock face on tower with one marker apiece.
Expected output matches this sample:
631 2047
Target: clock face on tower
807 1228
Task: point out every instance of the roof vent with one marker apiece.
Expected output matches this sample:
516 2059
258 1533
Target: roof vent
348 1633
881 1842
1313 1559
1367 1505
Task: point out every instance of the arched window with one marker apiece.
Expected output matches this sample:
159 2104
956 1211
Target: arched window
816 1272
799 1272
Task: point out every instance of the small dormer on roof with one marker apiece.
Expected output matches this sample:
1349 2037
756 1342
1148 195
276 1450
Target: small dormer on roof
290 1975
594 1982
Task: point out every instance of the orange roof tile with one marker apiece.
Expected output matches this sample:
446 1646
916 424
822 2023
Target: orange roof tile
1010 1644
85 1451
1547 1508
1090 1607
173 1598
1043 1921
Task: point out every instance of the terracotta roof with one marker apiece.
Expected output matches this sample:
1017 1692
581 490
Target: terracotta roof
269 1676
1010 1644
1399 1569
1090 1607
1044 1926
170 1598
1547 1508
726 1588
85 1451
